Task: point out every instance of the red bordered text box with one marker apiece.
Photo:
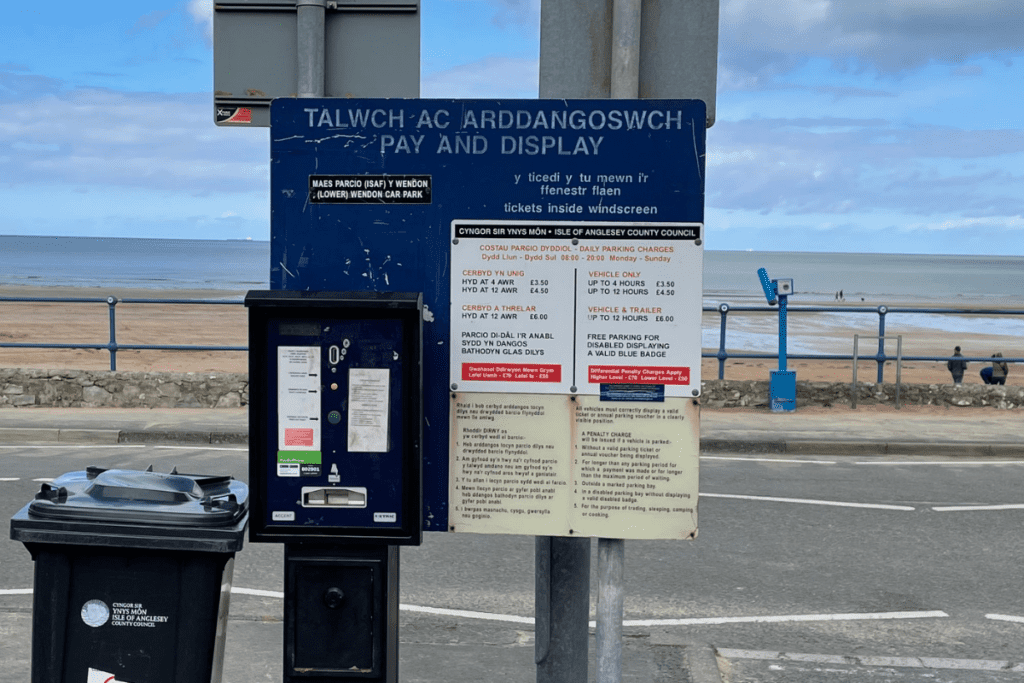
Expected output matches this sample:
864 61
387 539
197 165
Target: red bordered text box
511 372
298 437
627 374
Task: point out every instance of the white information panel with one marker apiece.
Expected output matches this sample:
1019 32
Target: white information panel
545 465
368 410
576 307
298 398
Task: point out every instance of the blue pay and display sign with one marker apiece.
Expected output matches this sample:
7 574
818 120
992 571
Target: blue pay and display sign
368 195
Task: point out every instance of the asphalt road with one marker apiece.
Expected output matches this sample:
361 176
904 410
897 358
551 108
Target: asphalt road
805 569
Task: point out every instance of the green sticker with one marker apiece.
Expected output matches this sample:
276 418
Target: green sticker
299 457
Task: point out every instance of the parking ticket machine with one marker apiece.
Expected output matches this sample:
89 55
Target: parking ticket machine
335 439
335 404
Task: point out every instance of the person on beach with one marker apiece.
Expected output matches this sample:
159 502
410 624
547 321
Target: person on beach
957 367
997 373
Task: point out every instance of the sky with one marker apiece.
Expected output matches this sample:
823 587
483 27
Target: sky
891 126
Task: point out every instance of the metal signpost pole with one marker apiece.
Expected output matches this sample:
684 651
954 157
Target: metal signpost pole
604 50
562 607
611 552
341 590
310 18
562 565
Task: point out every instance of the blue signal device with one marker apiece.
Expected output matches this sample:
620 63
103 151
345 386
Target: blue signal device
782 383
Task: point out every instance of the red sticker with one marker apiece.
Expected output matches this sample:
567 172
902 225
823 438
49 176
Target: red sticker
298 437
626 374
241 115
511 372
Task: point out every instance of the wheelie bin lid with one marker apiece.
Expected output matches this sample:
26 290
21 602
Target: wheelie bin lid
132 508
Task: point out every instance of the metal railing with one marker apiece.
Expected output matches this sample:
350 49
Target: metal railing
722 355
112 346
856 356
881 311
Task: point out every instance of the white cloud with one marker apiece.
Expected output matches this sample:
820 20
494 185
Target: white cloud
998 223
762 39
491 77
835 166
104 138
202 13
517 12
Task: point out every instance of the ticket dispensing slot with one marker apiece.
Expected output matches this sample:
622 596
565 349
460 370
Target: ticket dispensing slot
333 497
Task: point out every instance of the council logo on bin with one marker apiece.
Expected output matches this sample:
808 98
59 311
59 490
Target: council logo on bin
95 613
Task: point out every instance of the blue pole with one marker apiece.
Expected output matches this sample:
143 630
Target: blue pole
723 310
783 305
881 342
112 346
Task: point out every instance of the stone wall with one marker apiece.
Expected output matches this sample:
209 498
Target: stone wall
72 388
82 388
734 394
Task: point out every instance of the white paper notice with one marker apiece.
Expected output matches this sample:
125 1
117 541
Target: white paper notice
298 398
368 409
571 307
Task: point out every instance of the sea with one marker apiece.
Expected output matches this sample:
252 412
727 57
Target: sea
234 266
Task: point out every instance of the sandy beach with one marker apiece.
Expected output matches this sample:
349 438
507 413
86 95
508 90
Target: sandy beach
88 323
225 325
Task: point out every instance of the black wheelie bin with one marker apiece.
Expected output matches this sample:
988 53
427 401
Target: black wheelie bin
132 575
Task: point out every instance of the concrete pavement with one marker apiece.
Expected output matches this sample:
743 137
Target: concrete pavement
445 648
867 430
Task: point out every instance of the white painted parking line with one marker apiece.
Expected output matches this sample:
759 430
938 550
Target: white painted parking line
904 662
257 592
795 462
947 463
201 447
467 614
971 508
1005 617
778 619
68 446
698 621
808 501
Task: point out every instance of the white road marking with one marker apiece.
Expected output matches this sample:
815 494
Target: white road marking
805 501
905 662
44 479
201 447
467 614
256 591
1005 617
971 508
772 619
950 463
797 462
490 616
67 446
9 479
